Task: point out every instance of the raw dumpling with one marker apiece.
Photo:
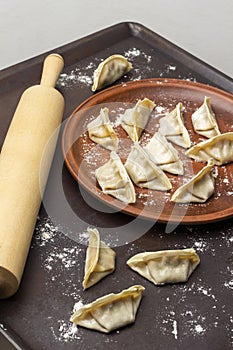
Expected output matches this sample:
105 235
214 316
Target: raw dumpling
220 148
110 70
167 266
204 121
144 172
164 154
114 180
101 131
172 127
111 311
100 260
198 189
135 119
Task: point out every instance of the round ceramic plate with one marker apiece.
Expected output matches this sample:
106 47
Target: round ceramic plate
83 157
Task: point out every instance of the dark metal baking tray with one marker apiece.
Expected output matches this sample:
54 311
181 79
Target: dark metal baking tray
194 315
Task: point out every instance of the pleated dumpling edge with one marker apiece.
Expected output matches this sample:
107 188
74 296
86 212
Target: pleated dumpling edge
204 121
134 120
114 179
219 148
173 128
198 189
110 70
144 172
100 259
166 266
111 311
101 131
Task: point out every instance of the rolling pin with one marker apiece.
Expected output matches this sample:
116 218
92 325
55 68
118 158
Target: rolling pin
24 169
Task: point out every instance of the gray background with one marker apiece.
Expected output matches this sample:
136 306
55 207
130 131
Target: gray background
202 27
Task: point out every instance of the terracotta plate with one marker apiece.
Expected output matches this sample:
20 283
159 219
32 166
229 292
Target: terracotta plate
82 156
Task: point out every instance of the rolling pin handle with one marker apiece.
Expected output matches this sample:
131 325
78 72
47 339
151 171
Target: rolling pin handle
53 65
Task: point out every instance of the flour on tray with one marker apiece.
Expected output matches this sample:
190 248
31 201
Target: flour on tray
78 75
66 331
143 68
45 232
142 64
134 52
74 77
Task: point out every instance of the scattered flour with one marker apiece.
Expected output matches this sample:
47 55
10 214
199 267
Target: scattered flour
206 291
134 52
168 68
171 67
142 68
175 331
78 305
191 321
195 321
57 261
160 110
67 257
200 246
199 329
76 76
142 64
45 232
83 76
65 332
229 283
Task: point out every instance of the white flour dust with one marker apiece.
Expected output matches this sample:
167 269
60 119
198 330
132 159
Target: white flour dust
63 261
142 64
143 67
229 282
74 77
175 331
194 320
45 232
189 322
67 257
134 52
66 331
83 76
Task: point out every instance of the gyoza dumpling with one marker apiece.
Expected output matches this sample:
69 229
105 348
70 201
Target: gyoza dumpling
219 148
164 154
111 311
204 121
100 260
101 131
172 127
166 266
135 119
144 172
114 180
198 189
110 70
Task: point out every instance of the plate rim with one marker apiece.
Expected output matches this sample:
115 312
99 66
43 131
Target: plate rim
220 215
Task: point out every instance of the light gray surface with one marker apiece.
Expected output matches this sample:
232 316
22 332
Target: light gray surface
202 27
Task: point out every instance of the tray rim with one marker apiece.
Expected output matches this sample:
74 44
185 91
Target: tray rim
133 29
13 70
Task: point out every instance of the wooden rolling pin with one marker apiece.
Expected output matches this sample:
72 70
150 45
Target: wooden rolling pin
22 178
